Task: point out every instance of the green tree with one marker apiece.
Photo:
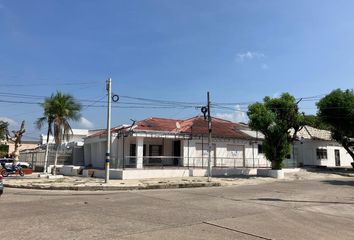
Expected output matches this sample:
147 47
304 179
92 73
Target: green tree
337 111
3 129
3 136
315 121
275 117
59 109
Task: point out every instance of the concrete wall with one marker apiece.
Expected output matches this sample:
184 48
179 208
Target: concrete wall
160 173
95 152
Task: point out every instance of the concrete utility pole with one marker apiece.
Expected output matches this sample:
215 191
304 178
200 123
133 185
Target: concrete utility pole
108 153
209 138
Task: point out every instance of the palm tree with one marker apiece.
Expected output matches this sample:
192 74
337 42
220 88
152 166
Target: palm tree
48 117
59 109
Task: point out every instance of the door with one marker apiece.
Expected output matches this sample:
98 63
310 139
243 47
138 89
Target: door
176 152
337 157
155 151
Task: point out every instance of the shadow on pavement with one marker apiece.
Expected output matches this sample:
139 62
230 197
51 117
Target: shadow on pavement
331 170
340 182
298 201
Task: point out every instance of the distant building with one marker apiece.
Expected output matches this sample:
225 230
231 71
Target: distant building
25 144
77 138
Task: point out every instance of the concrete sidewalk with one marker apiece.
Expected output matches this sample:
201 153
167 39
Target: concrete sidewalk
96 184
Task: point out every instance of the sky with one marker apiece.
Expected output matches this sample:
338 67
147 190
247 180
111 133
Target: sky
175 51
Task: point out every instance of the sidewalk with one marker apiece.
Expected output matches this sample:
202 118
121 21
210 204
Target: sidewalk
32 181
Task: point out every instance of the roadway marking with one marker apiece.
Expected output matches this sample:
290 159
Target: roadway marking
235 230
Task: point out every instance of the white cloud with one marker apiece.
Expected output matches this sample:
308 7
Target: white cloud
264 66
236 116
276 95
11 122
85 123
249 56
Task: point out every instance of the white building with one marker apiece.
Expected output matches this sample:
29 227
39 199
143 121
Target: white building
77 137
317 148
157 142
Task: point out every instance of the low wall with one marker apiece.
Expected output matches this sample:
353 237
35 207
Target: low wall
155 173
233 171
270 173
98 173
70 170
164 173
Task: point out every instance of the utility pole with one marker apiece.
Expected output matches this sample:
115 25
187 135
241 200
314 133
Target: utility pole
209 138
46 152
108 153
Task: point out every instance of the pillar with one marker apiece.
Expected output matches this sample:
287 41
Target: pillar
139 152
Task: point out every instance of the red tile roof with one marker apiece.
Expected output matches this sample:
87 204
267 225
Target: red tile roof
219 127
195 126
156 124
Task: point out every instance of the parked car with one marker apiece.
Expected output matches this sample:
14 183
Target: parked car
1 185
26 167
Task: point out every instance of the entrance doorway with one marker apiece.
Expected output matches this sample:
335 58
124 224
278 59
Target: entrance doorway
337 157
176 152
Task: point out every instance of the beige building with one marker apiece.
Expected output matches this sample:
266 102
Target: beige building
26 144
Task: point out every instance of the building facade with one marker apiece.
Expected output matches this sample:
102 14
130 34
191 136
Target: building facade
160 142
316 147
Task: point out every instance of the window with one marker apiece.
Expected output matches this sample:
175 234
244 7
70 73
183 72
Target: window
321 153
260 148
155 150
133 150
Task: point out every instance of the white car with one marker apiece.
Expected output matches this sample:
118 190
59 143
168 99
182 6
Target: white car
8 163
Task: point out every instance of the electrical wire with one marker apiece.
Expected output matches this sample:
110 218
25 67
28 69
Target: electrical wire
48 84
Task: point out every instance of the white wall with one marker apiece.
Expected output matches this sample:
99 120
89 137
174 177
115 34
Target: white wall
229 153
95 152
307 153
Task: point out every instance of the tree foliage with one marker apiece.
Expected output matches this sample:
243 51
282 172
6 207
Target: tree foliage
274 118
3 129
337 111
59 109
316 122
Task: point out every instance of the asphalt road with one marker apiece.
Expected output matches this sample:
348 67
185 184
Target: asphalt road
303 209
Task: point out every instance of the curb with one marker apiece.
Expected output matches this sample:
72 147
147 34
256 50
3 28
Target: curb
115 188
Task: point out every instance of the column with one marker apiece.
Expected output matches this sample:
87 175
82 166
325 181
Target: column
139 152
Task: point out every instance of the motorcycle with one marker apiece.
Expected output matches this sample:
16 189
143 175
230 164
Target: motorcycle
6 171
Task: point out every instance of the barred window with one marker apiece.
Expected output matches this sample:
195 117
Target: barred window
321 153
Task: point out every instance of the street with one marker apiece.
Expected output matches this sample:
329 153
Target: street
300 209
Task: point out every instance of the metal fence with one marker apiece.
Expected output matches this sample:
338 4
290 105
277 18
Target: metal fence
191 162
36 157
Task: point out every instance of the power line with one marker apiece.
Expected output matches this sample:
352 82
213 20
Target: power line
48 84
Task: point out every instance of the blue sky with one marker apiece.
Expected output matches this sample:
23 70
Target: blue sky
240 51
